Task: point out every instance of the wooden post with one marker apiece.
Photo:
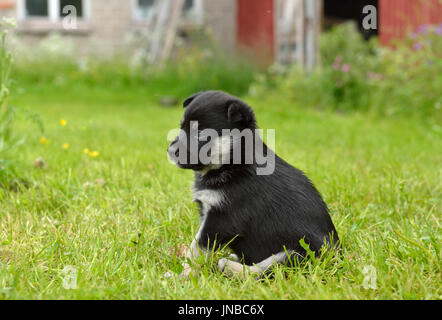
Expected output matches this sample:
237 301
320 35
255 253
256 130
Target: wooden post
300 33
284 18
319 23
312 24
278 30
310 50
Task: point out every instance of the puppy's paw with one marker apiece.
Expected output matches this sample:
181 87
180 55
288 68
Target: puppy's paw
234 257
222 264
224 261
229 267
232 268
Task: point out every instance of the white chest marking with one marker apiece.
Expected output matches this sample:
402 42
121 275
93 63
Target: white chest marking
208 199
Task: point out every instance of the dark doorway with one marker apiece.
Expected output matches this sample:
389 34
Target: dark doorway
343 10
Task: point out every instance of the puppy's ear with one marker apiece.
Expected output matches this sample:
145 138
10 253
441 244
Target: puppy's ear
190 99
239 113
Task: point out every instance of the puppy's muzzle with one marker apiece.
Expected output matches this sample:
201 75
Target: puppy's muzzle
173 150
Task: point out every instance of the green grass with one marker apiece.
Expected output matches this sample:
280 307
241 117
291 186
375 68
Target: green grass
377 175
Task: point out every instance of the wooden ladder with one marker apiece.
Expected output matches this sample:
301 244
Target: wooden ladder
167 14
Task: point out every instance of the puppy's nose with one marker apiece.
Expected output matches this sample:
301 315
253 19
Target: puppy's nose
173 151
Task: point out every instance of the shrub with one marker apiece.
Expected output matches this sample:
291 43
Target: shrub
7 113
411 79
360 75
55 62
9 138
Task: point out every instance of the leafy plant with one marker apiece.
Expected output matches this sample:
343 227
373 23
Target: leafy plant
192 68
360 75
7 113
412 74
9 139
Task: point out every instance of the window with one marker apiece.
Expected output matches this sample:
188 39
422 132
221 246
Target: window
188 5
144 9
193 11
36 8
50 9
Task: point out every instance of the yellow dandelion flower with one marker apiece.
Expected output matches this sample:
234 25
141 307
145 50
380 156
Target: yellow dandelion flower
86 151
94 154
63 122
43 140
65 146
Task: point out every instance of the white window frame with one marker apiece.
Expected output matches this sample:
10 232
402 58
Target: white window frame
53 11
196 13
136 12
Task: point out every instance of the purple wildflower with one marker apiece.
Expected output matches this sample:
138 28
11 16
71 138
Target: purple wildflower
423 28
417 46
345 68
337 63
438 30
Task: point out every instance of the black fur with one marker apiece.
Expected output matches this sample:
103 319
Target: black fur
263 214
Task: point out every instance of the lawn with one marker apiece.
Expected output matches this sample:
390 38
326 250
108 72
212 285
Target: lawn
114 217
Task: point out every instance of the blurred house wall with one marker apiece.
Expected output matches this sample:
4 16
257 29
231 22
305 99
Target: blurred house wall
256 27
7 9
110 24
220 18
399 17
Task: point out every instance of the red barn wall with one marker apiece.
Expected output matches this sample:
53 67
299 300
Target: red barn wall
255 27
397 18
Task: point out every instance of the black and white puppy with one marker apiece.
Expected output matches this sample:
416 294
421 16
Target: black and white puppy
262 217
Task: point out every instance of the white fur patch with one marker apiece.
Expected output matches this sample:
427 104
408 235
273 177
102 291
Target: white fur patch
222 149
208 198
220 155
